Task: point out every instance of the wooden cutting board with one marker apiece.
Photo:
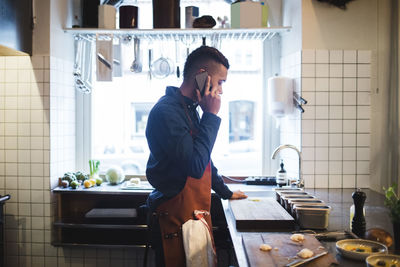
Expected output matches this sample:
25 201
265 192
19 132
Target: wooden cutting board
264 214
286 250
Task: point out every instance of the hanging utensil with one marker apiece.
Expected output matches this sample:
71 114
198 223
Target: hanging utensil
82 65
150 60
178 71
162 67
104 55
103 60
87 68
136 64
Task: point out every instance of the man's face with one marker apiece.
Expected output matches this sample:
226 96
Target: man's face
219 77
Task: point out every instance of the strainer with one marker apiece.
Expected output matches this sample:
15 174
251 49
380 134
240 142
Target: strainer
162 67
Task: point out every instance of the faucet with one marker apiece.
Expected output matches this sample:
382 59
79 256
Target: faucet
279 148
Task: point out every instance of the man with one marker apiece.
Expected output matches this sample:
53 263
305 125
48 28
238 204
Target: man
180 167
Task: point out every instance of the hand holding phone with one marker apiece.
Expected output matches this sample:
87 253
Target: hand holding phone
209 102
201 81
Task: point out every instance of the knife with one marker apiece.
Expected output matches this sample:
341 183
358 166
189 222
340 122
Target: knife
103 60
301 261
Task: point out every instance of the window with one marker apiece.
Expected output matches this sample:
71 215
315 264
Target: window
119 109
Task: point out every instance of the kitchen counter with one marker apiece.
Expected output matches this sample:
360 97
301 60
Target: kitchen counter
339 199
106 188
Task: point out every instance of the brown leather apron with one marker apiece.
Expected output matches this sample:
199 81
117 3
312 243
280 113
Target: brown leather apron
173 213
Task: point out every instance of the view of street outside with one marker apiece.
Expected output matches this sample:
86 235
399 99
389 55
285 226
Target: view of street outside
120 110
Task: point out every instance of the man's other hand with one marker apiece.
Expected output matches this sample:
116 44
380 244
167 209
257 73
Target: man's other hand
238 195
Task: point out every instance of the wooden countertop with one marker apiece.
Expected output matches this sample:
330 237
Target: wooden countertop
339 199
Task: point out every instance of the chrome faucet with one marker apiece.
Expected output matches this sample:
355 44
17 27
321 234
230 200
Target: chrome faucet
279 148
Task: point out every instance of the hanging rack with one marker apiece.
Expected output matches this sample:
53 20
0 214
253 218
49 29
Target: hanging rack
181 34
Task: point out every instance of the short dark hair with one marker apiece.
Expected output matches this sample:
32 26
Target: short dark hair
200 58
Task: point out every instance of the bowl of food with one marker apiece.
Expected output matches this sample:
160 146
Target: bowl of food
359 249
383 261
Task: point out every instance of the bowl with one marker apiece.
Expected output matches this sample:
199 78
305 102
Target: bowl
378 260
351 248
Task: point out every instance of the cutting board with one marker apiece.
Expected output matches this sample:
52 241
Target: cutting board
286 250
264 214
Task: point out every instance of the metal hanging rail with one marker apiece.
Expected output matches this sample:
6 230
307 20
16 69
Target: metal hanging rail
182 34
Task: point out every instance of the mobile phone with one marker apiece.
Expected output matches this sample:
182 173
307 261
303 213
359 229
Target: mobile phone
201 81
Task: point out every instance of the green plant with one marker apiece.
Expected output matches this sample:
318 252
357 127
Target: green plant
94 167
392 201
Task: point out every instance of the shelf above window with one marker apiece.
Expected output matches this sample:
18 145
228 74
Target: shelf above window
181 34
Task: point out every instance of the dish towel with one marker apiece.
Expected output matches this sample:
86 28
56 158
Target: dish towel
197 242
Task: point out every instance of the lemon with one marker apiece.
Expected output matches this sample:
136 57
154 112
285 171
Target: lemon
87 183
92 182
99 181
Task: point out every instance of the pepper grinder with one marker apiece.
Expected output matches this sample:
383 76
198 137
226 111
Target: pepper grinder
358 224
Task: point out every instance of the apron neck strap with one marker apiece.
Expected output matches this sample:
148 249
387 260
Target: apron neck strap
193 129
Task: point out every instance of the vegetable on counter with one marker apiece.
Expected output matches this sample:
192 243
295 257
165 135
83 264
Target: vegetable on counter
94 168
76 179
115 175
69 176
80 176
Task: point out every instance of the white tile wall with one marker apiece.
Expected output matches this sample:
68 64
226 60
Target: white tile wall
25 152
291 125
336 123
37 145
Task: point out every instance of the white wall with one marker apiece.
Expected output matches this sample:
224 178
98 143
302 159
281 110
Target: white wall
291 42
364 26
328 27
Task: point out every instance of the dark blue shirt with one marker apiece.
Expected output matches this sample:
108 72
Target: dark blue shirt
174 152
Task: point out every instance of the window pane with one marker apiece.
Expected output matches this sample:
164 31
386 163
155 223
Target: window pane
120 110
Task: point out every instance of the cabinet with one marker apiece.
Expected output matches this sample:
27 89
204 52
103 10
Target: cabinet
122 221
73 225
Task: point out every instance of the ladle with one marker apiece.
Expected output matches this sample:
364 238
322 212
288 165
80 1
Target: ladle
136 64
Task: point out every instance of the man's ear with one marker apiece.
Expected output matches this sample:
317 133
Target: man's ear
200 71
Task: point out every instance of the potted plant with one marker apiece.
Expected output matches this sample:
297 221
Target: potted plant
392 201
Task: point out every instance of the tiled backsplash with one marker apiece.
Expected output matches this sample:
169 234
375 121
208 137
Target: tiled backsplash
336 122
37 145
25 157
291 125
